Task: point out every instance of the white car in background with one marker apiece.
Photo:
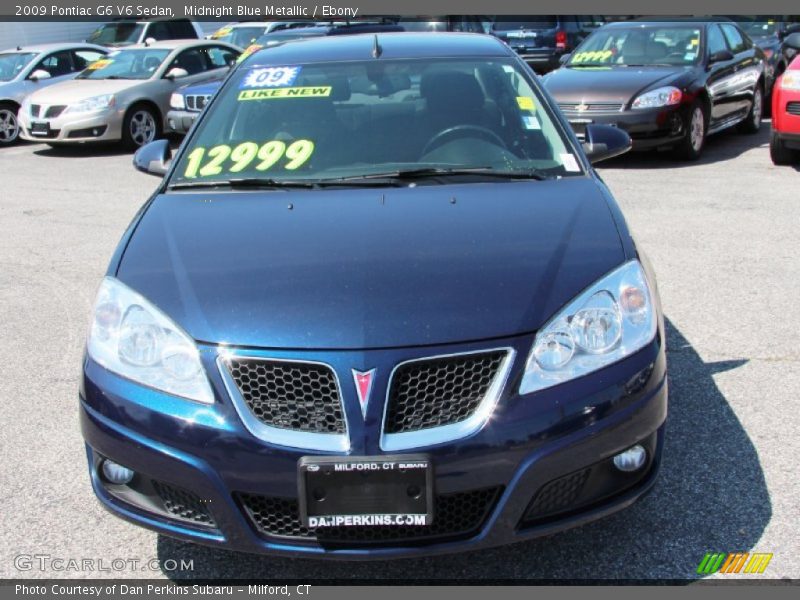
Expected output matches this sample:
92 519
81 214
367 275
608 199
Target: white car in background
28 69
125 32
123 96
247 32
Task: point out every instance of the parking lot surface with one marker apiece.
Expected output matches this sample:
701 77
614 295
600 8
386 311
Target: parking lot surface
723 237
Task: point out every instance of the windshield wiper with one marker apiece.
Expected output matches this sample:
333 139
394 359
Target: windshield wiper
434 172
249 182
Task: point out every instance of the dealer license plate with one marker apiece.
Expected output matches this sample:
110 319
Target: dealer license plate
365 491
40 128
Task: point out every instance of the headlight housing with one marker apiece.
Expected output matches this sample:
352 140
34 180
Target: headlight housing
663 96
176 101
608 321
790 80
134 339
92 104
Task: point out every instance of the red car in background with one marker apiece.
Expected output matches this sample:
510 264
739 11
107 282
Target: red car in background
784 145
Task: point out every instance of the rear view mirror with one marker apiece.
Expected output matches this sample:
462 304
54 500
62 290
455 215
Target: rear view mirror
720 56
792 41
153 158
39 74
176 73
604 141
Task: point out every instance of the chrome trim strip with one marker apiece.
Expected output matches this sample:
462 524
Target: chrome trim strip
446 433
329 442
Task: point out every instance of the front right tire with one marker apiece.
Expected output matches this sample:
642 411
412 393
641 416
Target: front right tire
691 146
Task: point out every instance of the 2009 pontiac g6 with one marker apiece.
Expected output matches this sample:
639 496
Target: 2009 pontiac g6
380 305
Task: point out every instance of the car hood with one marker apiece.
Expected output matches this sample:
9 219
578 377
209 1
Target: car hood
607 84
76 90
366 268
204 87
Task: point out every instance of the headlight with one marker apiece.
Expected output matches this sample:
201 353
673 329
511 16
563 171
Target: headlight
92 104
132 338
176 101
791 80
663 96
610 320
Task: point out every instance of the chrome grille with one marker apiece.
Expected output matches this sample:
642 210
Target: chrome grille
590 107
296 396
793 108
439 391
456 515
197 102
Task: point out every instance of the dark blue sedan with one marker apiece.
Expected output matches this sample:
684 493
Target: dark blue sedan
380 305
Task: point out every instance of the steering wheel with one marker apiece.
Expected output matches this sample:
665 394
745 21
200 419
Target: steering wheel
460 131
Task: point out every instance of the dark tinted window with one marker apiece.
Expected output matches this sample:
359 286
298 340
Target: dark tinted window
57 64
158 31
191 60
735 39
181 29
117 33
220 57
716 43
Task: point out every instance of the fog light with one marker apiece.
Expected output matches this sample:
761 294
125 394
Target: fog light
631 460
117 474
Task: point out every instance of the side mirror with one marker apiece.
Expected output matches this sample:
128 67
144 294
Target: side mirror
153 158
176 73
792 41
564 58
720 56
604 141
39 74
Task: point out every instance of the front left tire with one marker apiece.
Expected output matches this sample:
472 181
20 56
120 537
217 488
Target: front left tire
9 125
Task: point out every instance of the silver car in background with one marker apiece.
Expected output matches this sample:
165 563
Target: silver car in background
28 69
124 96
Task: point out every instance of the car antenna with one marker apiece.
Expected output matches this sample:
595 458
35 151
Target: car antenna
376 48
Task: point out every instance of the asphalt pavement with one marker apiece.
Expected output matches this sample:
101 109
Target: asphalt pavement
723 237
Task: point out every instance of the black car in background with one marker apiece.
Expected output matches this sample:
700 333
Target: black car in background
542 40
668 84
431 24
768 33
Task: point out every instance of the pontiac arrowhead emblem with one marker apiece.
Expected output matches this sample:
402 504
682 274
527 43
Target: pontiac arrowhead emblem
582 107
363 387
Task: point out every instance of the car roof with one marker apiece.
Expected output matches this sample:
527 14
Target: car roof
177 44
393 45
37 48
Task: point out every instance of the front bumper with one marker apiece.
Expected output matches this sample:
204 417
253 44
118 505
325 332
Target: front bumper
531 446
99 126
649 128
180 121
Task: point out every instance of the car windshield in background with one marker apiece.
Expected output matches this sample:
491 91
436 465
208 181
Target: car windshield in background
758 28
241 36
140 63
544 22
333 121
117 33
11 63
639 46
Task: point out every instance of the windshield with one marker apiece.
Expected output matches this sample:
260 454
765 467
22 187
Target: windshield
239 36
512 23
140 63
328 121
759 26
639 46
116 34
12 63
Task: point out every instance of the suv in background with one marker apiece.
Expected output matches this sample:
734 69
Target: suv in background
464 23
125 33
542 40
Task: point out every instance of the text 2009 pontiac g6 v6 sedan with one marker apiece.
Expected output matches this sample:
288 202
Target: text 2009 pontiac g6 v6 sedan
380 305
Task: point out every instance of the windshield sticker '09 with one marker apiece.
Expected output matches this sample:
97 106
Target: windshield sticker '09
99 64
569 162
286 92
593 56
237 159
271 77
525 103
